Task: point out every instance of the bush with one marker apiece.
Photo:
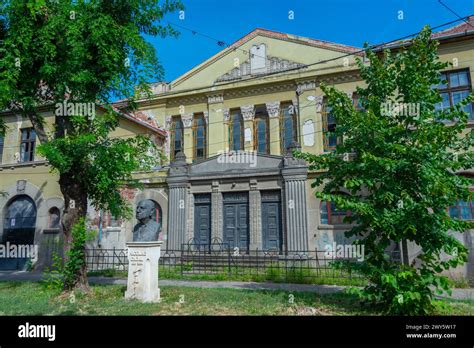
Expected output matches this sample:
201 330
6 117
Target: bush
64 273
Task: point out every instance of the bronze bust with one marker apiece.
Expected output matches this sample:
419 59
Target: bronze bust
147 230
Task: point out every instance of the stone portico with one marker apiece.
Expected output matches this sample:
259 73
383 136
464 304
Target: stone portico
264 199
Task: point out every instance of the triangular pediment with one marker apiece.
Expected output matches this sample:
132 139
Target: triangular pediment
259 52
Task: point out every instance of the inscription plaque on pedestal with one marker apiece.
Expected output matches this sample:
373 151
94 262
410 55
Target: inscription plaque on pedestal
143 258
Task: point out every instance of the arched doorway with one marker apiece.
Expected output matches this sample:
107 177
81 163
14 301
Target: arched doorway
19 227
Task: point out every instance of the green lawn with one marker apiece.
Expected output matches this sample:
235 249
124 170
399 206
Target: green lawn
31 298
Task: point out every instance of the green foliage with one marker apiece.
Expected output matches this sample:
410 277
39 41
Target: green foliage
89 50
64 273
100 164
401 174
83 52
52 277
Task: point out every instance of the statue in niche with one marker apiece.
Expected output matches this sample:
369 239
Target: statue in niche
147 229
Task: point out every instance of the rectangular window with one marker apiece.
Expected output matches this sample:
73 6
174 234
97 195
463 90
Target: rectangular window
177 136
27 147
1 149
261 134
288 126
358 102
462 210
236 131
200 137
330 140
456 88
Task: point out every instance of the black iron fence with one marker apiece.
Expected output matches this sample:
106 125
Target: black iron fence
98 259
219 261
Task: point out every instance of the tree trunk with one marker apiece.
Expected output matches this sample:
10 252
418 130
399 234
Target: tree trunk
75 197
75 207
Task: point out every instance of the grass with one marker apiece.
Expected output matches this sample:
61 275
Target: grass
276 275
32 298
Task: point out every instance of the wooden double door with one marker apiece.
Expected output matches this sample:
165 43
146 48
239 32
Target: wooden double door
236 233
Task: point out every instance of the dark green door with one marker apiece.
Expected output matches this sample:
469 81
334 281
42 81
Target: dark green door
202 220
271 220
236 221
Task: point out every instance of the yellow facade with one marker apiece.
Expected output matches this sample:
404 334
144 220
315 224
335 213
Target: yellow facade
261 72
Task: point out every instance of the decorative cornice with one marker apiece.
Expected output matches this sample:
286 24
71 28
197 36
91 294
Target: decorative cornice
304 86
187 120
256 90
273 109
215 98
248 112
341 77
186 100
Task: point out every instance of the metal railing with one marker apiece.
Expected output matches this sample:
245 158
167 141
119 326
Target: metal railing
98 259
221 261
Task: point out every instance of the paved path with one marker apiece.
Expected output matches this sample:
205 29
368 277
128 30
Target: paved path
320 289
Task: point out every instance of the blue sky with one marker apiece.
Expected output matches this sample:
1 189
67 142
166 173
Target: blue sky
350 22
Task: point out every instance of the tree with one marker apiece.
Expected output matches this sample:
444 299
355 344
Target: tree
77 53
399 159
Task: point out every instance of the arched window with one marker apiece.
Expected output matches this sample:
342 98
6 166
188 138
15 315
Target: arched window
330 215
199 130
54 216
262 144
288 126
20 220
177 136
236 131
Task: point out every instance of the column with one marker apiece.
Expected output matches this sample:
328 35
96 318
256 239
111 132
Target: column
273 110
294 176
216 214
189 206
177 203
248 114
255 216
217 140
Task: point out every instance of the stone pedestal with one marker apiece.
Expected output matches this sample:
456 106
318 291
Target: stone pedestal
143 260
